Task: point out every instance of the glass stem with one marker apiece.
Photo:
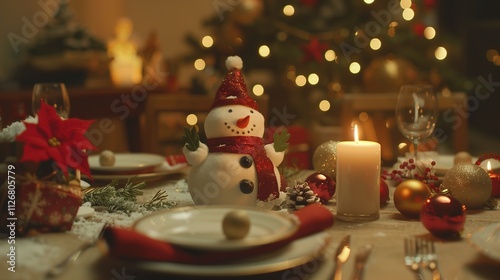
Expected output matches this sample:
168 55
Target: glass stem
415 150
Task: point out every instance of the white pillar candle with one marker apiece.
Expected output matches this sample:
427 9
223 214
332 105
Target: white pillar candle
358 180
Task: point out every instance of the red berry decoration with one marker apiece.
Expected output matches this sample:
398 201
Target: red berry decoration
443 216
384 192
322 185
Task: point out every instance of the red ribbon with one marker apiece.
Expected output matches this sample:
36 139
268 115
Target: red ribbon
253 146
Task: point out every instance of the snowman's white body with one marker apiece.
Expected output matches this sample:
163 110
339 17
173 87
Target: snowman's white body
215 177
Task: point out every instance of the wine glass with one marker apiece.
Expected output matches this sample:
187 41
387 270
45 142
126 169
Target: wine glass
416 112
54 94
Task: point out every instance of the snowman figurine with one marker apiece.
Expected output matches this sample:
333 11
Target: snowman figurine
234 167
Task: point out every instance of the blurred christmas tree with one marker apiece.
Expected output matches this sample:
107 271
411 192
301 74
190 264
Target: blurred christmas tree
307 53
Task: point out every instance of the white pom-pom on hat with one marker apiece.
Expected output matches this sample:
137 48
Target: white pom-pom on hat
234 62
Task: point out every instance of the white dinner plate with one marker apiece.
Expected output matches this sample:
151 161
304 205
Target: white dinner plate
487 241
200 227
307 249
127 162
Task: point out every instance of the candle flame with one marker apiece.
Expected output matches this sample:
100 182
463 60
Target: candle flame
356 137
488 166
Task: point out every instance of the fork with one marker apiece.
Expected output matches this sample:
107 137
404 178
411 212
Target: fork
429 257
412 257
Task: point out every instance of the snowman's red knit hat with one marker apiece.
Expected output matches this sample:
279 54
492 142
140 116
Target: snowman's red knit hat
233 90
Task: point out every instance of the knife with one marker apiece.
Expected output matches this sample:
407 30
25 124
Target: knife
361 258
341 256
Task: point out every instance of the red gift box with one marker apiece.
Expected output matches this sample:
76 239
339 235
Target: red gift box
46 206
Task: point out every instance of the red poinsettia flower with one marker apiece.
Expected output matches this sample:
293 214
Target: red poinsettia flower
53 138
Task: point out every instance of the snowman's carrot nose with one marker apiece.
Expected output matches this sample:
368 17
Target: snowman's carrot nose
243 122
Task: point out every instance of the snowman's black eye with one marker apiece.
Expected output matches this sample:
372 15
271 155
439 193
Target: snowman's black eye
251 111
230 110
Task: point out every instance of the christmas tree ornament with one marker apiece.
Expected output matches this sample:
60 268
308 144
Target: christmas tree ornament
300 195
325 158
443 216
247 11
322 185
388 74
409 197
236 224
462 157
234 166
469 183
314 51
384 192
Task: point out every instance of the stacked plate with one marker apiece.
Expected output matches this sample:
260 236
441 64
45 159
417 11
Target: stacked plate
142 165
200 228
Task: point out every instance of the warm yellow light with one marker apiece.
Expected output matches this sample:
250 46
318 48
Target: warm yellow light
324 105
440 53
375 44
354 67
369 1
408 14
258 90
330 55
496 60
300 80
313 78
429 32
264 51
356 137
199 64
191 119
207 41
336 86
288 10
405 4
491 54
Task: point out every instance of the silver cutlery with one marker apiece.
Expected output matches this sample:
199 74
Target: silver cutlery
412 257
429 257
360 261
341 256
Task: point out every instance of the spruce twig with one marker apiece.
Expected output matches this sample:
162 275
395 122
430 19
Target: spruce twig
281 140
191 138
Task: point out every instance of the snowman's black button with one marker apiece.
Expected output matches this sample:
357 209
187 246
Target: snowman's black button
246 186
246 161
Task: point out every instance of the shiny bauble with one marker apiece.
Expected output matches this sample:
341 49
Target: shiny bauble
246 11
322 185
236 224
325 158
107 158
384 192
443 216
469 183
388 74
410 196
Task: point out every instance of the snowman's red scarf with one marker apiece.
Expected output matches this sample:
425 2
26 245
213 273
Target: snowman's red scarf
253 146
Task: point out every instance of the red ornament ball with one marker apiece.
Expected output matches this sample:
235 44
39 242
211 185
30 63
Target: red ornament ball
443 216
384 192
322 185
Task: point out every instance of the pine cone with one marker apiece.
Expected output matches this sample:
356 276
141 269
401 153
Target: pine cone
300 195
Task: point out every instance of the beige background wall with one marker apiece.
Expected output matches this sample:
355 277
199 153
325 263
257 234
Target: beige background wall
172 19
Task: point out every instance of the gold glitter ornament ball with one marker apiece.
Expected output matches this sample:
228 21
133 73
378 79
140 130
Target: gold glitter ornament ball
470 184
325 158
409 197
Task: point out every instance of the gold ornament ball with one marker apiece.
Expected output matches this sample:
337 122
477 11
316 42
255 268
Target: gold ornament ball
325 158
107 158
462 157
410 196
236 224
469 183
388 74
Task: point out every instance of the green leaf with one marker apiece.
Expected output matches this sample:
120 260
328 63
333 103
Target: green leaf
191 138
281 140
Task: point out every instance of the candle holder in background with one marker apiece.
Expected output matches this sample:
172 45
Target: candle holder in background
358 180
